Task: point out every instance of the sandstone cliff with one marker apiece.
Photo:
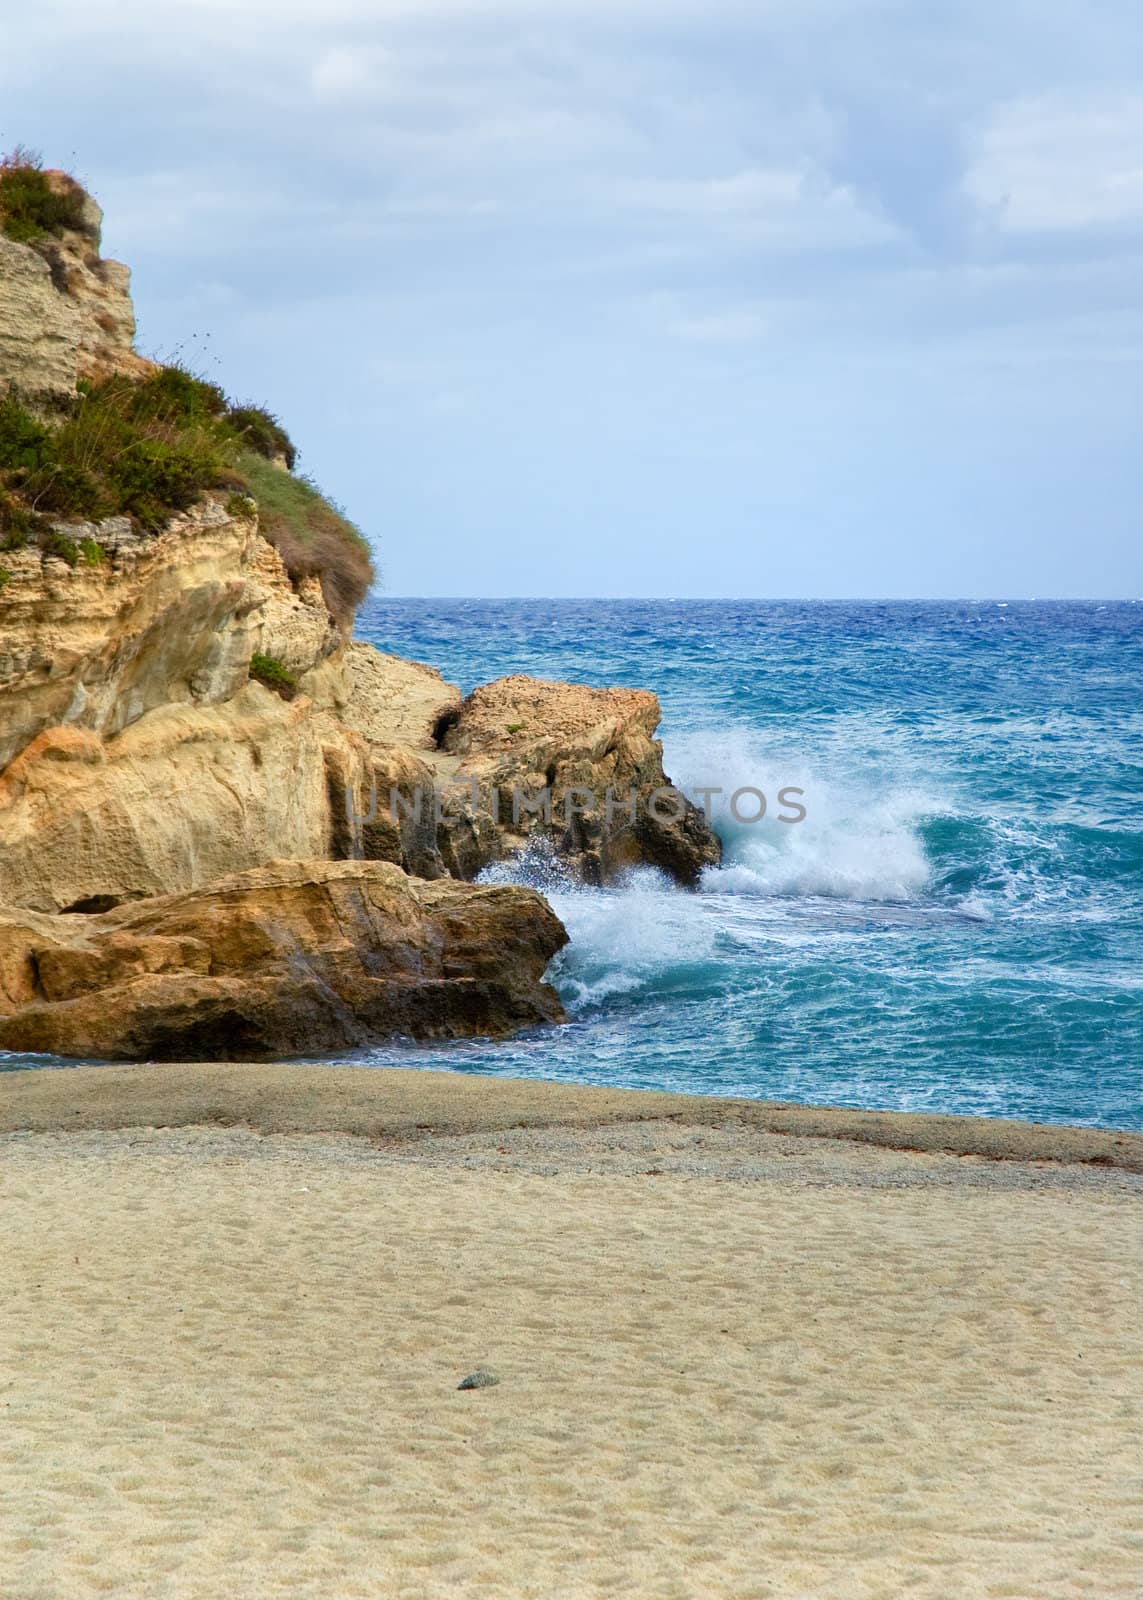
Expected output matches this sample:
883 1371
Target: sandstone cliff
139 758
179 704
65 311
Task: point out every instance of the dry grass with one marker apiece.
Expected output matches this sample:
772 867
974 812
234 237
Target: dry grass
311 534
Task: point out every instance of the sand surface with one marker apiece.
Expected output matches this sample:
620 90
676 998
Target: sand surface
733 1361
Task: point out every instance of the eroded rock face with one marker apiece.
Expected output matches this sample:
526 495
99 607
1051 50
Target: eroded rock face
568 748
65 311
136 756
39 327
163 620
183 796
386 699
294 958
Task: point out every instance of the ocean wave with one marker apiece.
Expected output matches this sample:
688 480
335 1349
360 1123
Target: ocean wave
860 838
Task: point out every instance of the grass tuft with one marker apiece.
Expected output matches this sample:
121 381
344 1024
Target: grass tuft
58 544
241 506
143 448
274 674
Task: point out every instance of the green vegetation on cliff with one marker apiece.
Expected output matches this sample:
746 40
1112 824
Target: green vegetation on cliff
274 674
149 447
140 448
311 533
263 434
31 207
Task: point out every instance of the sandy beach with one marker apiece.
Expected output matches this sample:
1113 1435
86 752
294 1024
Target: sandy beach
742 1350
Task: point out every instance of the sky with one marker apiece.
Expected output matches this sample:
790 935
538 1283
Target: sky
816 298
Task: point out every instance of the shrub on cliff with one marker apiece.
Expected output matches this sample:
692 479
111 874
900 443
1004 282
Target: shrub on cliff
274 674
149 447
25 443
311 534
19 527
31 208
261 432
141 448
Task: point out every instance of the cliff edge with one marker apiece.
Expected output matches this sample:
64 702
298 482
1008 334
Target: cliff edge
65 311
182 702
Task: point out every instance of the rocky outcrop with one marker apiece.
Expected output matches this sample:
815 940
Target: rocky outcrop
386 699
146 778
39 327
289 959
181 797
520 760
148 622
65 312
198 787
580 768
136 756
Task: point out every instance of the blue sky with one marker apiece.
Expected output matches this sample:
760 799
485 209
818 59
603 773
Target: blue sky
645 297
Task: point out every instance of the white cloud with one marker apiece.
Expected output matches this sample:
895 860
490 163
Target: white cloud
559 223
1057 163
773 208
342 74
739 194
736 326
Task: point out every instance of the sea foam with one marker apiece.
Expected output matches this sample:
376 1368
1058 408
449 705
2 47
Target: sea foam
859 839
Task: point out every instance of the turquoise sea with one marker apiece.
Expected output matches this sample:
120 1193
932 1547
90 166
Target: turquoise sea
957 925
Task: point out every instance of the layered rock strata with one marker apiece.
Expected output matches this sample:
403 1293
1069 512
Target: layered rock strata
293 958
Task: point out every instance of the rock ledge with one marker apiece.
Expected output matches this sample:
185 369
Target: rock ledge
293 958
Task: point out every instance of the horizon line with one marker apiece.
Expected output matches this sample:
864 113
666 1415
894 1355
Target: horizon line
792 599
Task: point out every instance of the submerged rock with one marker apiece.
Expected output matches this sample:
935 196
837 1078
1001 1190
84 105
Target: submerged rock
294 958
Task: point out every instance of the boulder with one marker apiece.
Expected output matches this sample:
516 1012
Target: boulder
577 767
293 958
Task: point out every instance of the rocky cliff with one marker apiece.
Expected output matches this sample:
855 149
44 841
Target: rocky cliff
65 311
179 705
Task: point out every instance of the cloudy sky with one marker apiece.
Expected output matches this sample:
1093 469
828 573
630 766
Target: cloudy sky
645 297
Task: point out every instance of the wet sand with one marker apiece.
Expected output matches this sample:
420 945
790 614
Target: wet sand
743 1350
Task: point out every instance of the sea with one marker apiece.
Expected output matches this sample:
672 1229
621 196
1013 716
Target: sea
955 925
956 922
